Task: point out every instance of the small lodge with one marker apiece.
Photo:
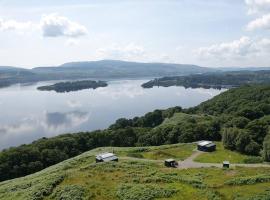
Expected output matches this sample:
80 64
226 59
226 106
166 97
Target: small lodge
170 163
206 146
226 164
106 157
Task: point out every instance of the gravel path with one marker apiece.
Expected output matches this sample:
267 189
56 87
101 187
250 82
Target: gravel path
189 163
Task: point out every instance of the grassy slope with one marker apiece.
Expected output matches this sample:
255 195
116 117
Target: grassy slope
222 154
80 178
177 151
178 117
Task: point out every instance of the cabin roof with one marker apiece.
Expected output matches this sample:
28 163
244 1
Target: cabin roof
210 145
170 160
105 156
110 158
205 143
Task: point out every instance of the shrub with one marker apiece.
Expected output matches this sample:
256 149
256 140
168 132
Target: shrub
266 148
253 159
69 192
249 180
143 192
229 136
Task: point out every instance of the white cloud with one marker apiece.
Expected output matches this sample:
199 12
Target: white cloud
72 42
51 25
54 25
128 52
260 23
258 6
264 44
180 48
7 25
237 48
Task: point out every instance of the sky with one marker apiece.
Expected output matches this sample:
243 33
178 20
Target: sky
210 33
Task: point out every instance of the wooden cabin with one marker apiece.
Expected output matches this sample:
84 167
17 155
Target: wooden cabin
106 157
206 146
226 164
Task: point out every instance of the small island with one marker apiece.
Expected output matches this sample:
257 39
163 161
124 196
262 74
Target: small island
73 86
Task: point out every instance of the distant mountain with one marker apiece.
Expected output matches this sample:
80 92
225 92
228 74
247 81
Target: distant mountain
103 69
10 75
120 69
11 69
243 68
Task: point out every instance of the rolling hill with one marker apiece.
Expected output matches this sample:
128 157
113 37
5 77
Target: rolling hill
132 178
119 69
104 69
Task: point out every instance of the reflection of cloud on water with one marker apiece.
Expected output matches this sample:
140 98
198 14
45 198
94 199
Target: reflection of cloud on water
74 104
208 92
32 127
58 120
16 129
125 90
14 134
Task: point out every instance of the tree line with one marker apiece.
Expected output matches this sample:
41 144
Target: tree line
212 80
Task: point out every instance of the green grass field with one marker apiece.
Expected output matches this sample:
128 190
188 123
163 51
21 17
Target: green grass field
177 151
80 178
222 154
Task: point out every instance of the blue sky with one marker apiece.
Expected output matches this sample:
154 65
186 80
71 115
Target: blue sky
213 33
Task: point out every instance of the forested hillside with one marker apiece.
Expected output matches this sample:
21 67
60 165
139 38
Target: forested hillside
213 80
245 114
239 117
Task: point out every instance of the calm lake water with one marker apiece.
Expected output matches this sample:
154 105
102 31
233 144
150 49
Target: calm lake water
28 114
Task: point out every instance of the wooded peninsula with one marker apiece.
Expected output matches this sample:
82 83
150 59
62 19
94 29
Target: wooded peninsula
212 80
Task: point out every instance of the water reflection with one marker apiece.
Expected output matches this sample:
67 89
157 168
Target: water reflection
50 124
58 120
28 114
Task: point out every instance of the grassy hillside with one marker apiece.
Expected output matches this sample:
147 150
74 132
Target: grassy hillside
80 178
222 154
